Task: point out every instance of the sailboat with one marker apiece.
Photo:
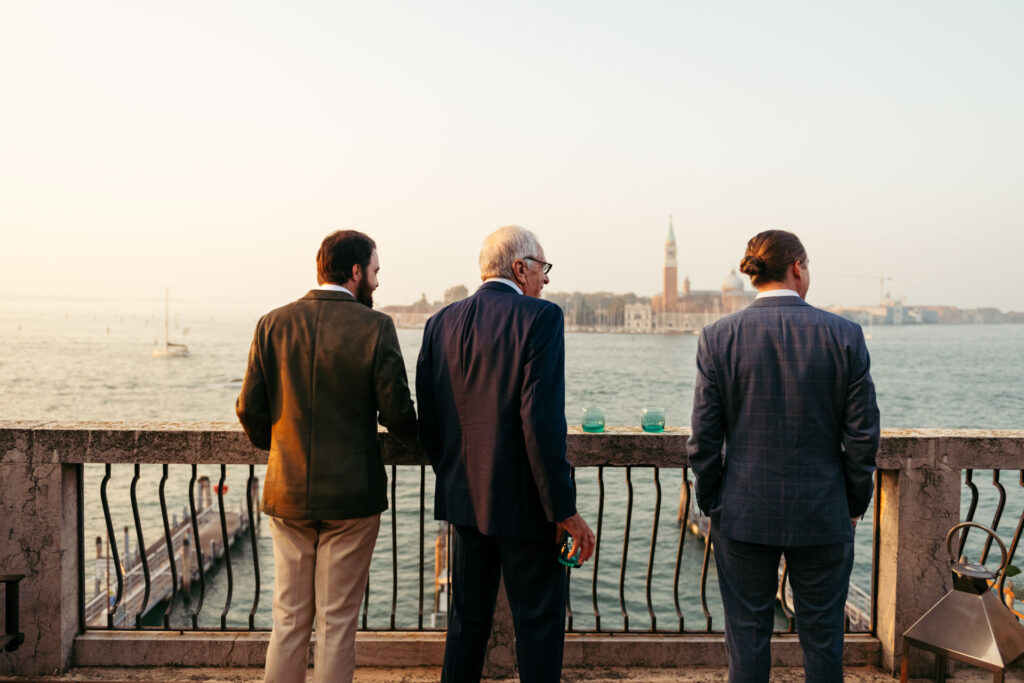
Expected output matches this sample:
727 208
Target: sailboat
169 349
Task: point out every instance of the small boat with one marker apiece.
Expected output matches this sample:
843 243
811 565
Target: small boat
169 349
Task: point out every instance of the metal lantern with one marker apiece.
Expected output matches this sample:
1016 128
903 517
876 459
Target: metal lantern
970 623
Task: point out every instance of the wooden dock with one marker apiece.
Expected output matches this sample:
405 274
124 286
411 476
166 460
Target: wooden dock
135 603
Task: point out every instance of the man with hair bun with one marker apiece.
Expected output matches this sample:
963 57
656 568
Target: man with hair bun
490 386
786 388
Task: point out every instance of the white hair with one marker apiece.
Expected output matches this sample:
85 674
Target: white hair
503 247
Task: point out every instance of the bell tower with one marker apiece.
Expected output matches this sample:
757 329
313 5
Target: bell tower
670 291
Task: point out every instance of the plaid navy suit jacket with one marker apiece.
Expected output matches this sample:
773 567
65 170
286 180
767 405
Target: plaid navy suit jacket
786 388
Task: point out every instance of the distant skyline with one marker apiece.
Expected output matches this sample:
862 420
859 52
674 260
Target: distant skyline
211 147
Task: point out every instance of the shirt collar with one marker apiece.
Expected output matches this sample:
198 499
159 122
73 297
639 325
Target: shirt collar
503 281
336 288
776 292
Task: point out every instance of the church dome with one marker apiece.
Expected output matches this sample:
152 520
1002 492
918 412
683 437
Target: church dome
732 282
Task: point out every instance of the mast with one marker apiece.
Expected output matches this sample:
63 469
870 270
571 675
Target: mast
167 299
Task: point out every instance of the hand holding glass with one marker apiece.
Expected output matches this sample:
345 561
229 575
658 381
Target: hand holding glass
569 553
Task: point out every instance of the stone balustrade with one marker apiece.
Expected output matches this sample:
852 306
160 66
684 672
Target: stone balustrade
41 536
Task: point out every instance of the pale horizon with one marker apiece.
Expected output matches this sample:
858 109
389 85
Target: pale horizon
211 149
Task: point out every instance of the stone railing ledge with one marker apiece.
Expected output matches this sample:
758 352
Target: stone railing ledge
951 449
224 442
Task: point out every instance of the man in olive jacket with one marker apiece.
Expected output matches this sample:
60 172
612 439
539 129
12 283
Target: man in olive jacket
322 372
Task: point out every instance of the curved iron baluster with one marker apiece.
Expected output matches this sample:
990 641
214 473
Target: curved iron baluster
366 600
79 470
394 544
997 516
423 503
112 541
1013 550
597 544
782 598
197 543
704 582
969 480
654 540
876 543
448 571
250 489
568 574
625 548
169 540
141 546
227 546
679 551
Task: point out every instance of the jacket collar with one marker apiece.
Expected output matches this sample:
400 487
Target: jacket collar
774 301
495 286
328 294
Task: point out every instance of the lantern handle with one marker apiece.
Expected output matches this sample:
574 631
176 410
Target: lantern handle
962 525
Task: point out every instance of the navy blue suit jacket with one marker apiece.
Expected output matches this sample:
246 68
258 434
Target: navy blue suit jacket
786 388
490 393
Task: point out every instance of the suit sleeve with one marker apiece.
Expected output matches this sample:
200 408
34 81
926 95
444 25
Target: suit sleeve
253 404
861 430
391 387
542 410
707 423
426 402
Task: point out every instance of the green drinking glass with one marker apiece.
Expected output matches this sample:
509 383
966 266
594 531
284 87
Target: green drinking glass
593 420
653 420
569 554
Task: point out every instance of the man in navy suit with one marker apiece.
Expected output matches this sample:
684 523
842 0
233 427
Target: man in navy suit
490 388
786 387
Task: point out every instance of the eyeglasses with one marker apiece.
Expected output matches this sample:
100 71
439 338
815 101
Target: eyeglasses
546 267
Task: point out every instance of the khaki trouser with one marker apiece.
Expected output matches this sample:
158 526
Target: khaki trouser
319 566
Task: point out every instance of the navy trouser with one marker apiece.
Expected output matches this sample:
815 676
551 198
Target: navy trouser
535 585
748 578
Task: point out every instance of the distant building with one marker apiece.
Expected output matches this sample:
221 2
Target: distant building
414 315
687 310
865 315
894 311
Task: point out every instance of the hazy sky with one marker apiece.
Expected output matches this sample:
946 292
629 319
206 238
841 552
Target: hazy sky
210 146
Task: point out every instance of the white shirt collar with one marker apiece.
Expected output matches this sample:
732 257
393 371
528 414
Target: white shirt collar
336 288
503 281
776 292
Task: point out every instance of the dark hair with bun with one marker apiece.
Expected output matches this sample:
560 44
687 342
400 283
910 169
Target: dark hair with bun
770 254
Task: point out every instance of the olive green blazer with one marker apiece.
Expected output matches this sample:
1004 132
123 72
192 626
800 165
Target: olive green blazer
322 371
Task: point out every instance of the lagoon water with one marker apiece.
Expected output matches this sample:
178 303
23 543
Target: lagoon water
91 360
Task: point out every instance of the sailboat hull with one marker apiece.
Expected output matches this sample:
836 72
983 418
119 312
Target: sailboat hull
171 351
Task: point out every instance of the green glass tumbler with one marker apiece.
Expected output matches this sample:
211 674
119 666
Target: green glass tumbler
593 420
653 420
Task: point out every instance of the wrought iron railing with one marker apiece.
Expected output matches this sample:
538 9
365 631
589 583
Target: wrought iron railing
645 575
49 467
989 509
158 575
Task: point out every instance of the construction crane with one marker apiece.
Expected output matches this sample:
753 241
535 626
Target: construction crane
881 284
